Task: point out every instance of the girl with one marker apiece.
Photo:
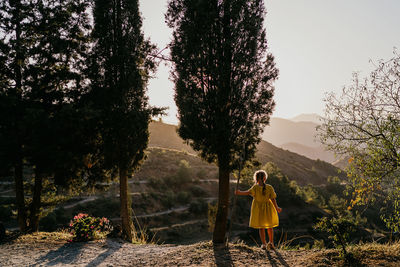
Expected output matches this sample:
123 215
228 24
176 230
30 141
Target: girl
264 210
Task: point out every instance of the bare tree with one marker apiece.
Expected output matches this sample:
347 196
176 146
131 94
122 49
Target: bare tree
363 123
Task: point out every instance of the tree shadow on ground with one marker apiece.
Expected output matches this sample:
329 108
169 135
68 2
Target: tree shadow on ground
281 259
272 261
69 253
65 254
112 247
222 256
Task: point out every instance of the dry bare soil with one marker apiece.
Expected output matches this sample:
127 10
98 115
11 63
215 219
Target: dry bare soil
53 249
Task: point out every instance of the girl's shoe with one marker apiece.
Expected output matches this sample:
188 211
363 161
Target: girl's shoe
263 246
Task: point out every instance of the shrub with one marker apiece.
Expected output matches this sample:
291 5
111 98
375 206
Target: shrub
169 199
198 191
85 227
338 229
198 206
183 197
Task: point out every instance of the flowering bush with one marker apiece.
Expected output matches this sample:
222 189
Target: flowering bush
85 227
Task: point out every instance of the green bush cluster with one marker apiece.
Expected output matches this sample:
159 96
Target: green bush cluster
84 227
198 191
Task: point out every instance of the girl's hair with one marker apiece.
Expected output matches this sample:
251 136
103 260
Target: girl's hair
261 175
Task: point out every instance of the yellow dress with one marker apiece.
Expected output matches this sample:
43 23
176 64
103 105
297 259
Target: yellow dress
263 213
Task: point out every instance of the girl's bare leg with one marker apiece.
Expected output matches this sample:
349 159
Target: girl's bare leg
262 235
271 236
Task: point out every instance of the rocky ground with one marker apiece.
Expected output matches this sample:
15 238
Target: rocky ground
51 249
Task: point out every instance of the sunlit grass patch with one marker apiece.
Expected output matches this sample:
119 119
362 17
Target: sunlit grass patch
44 237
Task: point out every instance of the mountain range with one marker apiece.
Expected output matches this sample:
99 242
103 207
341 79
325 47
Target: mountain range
297 167
298 135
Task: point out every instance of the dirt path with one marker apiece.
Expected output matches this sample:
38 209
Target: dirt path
113 252
52 249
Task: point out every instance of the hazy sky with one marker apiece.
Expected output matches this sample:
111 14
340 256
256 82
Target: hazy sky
317 45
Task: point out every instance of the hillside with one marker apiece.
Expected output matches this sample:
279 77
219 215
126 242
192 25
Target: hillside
297 167
281 131
298 135
312 117
311 152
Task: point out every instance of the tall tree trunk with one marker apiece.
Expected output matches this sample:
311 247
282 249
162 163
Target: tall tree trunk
35 205
128 230
18 168
19 193
223 206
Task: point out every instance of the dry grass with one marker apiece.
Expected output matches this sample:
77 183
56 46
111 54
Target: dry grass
44 237
368 254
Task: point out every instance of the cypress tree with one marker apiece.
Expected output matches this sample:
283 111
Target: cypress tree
119 71
223 83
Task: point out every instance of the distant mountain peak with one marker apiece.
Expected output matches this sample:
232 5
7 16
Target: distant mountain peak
310 117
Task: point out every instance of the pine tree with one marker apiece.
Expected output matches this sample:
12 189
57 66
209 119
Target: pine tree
119 72
15 26
223 82
56 82
45 44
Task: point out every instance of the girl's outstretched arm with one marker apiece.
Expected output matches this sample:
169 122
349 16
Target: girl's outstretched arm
242 193
276 205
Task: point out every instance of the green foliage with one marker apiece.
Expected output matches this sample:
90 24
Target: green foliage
390 213
363 124
102 207
168 199
84 227
339 229
119 69
184 174
318 244
226 41
119 96
197 191
183 197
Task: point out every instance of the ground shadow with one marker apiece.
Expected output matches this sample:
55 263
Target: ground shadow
272 261
66 254
222 256
112 247
281 259
70 252
10 236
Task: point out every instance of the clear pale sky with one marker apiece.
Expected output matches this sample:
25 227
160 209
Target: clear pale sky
317 45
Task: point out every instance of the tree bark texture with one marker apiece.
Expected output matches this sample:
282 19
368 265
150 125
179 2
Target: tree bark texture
128 230
223 206
36 203
19 195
